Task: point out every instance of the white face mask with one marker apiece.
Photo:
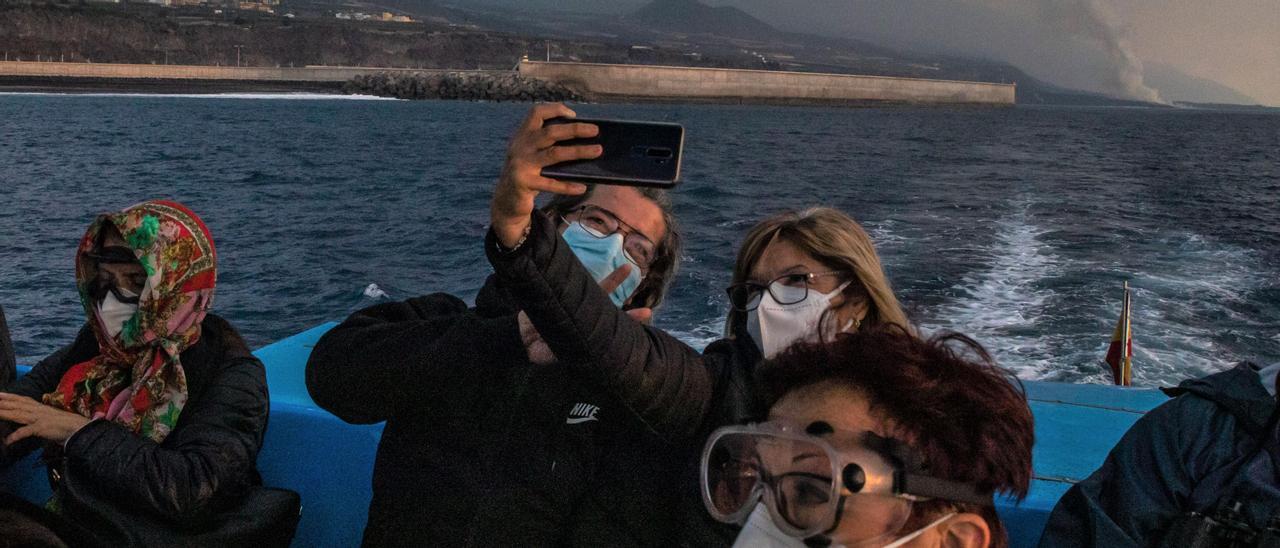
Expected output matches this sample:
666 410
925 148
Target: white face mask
775 326
760 532
114 313
919 532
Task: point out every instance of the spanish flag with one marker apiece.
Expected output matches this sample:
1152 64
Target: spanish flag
1120 355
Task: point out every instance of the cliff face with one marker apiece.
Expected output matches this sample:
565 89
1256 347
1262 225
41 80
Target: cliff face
152 36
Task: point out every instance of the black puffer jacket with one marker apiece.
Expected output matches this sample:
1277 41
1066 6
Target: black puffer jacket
8 366
679 395
481 446
205 464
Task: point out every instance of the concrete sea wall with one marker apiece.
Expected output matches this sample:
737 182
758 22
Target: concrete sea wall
597 82
183 72
602 81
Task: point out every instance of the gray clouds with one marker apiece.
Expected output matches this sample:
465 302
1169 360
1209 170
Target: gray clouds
1097 45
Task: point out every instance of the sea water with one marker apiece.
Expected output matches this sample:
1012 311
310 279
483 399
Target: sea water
1015 226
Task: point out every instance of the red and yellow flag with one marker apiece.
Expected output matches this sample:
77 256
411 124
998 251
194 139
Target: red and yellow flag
1120 354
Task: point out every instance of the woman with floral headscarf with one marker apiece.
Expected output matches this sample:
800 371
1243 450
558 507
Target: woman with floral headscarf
157 407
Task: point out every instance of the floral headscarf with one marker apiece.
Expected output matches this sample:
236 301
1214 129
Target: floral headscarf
137 378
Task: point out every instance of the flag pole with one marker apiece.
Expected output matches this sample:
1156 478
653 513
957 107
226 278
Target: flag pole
1128 336
1120 352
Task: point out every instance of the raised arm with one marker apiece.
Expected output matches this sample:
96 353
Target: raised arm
659 377
381 357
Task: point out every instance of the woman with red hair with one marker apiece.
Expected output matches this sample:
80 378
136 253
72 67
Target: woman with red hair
877 438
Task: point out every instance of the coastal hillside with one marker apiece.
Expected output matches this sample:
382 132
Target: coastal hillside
431 34
693 17
153 35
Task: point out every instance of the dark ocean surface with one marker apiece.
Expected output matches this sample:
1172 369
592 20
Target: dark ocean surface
1015 226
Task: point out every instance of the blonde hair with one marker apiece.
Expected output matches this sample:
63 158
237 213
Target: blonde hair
837 241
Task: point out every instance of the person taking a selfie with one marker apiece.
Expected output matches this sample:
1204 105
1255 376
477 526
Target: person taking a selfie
799 277
490 438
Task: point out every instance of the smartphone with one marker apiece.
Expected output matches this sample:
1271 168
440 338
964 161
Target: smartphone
635 154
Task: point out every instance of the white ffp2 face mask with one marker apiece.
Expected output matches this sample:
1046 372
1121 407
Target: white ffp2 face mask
919 532
114 313
760 532
775 326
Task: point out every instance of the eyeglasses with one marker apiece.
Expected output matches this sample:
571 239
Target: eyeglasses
785 289
602 223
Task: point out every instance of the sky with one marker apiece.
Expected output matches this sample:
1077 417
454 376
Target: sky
1098 45
1234 42
1129 48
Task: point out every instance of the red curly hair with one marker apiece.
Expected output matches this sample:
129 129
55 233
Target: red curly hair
962 414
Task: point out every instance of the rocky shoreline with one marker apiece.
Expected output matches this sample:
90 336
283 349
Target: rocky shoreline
466 86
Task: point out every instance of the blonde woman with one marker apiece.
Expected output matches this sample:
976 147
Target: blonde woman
799 277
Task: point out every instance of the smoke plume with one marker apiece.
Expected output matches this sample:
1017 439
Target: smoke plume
1095 21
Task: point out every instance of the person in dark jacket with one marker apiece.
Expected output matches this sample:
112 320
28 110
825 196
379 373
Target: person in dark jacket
798 276
157 406
490 439
1214 444
8 365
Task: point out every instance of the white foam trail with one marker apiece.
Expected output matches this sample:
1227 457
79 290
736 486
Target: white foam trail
1187 292
372 291
700 336
1195 274
266 96
1001 305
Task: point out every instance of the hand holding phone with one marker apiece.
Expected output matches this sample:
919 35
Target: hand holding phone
533 147
634 154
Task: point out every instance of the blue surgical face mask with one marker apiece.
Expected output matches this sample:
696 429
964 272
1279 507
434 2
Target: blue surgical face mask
602 256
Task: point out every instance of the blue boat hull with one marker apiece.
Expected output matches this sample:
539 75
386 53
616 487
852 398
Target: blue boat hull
330 462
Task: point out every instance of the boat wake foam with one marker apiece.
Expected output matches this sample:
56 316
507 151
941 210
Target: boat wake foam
1190 296
1000 305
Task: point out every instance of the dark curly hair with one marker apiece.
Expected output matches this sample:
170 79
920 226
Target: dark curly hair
964 416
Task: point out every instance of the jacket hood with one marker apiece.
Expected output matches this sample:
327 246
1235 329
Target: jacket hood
1238 391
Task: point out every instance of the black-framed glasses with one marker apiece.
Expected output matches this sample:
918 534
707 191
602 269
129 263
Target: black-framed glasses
602 223
785 289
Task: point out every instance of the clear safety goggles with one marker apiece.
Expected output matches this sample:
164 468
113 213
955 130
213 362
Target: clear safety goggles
809 487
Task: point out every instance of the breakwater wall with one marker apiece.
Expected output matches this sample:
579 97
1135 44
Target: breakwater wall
191 77
182 72
532 81
660 83
467 86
